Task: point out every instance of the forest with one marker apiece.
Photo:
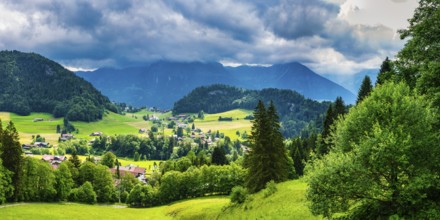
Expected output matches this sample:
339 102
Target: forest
33 83
299 116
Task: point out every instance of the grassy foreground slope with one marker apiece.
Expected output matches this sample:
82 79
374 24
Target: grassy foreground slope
287 203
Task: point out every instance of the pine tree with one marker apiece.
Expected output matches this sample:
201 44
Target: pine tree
333 112
118 174
385 72
365 89
267 158
218 156
11 155
75 160
278 152
339 108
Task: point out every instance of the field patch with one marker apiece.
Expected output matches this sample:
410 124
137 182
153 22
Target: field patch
5 116
229 128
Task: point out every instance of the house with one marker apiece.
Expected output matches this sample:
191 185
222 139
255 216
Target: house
142 130
41 144
27 146
154 118
96 133
54 161
137 171
65 137
38 119
172 119
181 125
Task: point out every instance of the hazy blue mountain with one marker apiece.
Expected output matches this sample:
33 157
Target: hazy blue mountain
162 83
353 82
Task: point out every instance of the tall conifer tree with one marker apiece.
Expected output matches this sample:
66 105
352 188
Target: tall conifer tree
365 89
267 158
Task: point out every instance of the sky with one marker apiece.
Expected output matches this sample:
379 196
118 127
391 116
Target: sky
338 37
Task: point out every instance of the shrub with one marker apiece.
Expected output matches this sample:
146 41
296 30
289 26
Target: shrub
239 194
86 193
271 188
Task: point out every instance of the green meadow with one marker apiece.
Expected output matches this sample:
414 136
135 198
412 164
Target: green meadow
287 203
113 124
229 128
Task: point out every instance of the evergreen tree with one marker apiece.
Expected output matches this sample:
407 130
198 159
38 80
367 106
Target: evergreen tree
11 155
75 160
333 112
118 173
385 72
267 158
365 89
218 156
339 107
277 150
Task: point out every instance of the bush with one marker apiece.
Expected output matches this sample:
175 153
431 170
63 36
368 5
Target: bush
86 194
239 194
271 188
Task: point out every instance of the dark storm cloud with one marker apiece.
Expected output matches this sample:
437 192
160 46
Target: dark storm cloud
293 19
122 33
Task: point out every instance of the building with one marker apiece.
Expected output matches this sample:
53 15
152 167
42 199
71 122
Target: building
96 133
54 161
137 171
65 137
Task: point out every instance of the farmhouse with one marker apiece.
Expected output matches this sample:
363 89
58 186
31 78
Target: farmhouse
66 136
41 144
133 169
27 146
96 133
54 161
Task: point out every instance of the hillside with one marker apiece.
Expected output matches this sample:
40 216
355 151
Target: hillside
287 203
162 83
33 83
296 112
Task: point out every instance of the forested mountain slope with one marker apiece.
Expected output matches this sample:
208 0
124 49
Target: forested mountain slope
32 83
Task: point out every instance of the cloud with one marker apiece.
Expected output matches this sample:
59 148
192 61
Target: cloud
337 36
294 19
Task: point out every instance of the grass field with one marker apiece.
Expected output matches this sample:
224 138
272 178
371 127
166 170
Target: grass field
287 203
200 208
113 124
229 128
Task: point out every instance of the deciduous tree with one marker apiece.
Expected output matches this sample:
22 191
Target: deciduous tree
385 159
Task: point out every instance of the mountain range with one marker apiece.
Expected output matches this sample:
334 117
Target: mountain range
162 83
